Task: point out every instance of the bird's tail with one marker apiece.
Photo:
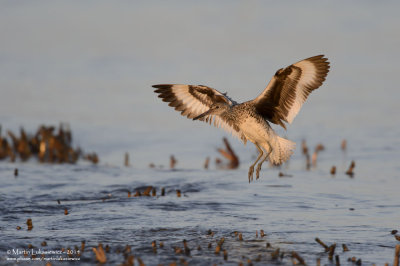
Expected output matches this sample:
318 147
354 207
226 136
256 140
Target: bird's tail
281 151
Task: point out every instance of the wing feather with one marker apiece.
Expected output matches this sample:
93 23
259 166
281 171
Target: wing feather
289 88
193 100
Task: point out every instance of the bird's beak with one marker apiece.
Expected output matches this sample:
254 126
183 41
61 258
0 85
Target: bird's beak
203 115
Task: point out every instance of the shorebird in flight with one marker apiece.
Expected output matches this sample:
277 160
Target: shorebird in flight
280 102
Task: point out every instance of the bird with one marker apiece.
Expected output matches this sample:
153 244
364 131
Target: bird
278 104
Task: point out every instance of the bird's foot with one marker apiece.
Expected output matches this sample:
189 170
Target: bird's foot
258 170
251 171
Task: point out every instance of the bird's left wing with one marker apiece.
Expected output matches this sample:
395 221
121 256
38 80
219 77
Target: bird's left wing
193 100
289 88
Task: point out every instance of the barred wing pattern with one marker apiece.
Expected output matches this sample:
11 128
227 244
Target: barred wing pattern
289 88
193 100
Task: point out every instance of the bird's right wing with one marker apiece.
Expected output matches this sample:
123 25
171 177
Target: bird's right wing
193 100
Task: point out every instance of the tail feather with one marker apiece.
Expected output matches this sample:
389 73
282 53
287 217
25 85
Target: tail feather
281 151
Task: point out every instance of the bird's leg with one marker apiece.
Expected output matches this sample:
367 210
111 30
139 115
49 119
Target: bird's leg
263 160
251 169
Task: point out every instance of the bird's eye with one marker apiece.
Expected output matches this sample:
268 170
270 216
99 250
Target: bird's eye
217 107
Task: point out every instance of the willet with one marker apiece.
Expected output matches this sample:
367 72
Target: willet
280 102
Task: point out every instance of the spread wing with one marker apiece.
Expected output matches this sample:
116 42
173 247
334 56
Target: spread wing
193 100
289 88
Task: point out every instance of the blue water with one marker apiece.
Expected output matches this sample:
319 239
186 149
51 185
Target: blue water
92 66
292 211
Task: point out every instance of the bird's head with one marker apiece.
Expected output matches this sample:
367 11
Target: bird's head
215 109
